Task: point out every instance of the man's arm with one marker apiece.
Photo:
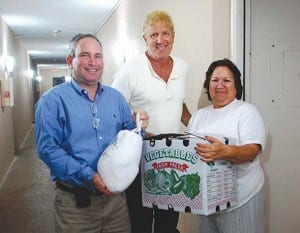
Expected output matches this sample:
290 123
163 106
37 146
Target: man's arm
48 137
186 115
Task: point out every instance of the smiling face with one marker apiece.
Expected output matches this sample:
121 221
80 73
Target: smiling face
159 39
87 63
222 87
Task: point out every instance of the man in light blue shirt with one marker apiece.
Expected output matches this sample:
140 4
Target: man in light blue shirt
74 123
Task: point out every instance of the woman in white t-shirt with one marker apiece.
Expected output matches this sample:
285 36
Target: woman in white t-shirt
231 117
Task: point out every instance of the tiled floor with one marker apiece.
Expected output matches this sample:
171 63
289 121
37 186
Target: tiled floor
26 197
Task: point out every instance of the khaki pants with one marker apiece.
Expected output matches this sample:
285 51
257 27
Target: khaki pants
106 214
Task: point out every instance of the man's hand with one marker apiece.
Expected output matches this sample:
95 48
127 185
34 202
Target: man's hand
143 117
100 186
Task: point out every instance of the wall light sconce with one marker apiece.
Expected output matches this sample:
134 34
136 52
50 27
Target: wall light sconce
38 78
29 73
68 78
2 65
9 62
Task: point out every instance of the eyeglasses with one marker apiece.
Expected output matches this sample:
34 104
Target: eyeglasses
96 120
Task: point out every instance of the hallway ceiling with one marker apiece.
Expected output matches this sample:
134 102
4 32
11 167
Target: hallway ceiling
45 27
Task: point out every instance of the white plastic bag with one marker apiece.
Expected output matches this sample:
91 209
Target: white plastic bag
119 163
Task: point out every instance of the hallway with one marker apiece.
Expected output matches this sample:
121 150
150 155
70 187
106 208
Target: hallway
26 196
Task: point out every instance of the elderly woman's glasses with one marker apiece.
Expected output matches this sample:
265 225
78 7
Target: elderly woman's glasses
96 120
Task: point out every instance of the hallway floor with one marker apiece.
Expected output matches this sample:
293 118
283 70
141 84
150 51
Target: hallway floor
27 194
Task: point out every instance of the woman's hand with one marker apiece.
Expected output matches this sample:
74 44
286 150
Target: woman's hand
214 150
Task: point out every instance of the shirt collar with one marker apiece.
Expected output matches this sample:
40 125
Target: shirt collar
174 73
82 91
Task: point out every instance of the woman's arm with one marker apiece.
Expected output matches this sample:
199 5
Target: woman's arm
216 150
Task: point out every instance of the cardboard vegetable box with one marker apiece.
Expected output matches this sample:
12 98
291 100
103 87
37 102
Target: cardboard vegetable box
174 177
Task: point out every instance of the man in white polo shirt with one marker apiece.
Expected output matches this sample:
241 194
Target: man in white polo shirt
155 82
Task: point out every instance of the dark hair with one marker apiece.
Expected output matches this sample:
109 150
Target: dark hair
236 75
74 41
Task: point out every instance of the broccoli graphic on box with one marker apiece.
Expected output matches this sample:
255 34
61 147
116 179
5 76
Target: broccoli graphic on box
164 183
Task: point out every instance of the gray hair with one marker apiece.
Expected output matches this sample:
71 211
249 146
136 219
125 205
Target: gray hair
74 41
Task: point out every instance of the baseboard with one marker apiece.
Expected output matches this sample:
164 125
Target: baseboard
25 138
8 171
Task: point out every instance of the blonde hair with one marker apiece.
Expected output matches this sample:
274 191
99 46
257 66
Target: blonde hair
156 17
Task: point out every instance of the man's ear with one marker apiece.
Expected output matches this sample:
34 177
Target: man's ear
145 38
69 60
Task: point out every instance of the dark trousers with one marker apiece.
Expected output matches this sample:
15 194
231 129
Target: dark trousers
141 218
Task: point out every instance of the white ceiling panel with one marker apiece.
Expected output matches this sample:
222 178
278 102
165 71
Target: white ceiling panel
46 26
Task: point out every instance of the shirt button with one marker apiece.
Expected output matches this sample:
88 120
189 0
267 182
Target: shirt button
100 137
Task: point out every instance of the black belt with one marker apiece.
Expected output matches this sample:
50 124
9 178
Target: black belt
73 189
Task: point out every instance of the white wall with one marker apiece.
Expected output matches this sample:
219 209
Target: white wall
15 121
202 35
274 79
7 150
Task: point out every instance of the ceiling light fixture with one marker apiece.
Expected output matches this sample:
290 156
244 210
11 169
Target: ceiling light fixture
55 32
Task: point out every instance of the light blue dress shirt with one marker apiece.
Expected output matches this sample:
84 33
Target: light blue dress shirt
72 131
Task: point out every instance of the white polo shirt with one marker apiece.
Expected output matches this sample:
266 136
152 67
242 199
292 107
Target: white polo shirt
145 90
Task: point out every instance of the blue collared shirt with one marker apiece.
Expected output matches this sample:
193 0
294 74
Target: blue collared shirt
72 131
